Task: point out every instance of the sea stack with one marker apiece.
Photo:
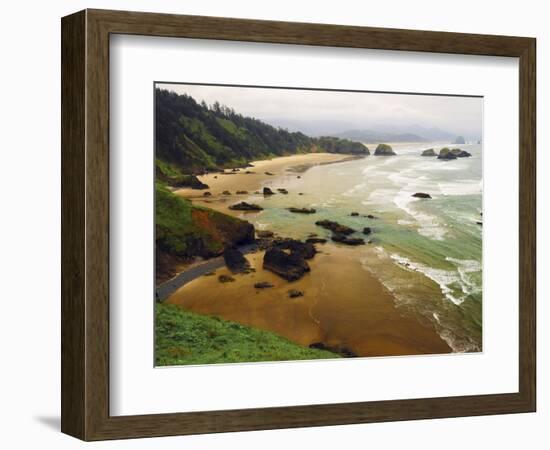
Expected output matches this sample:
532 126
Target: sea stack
445 153
459 141
429 152
384 150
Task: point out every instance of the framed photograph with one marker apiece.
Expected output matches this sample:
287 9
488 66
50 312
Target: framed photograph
273 225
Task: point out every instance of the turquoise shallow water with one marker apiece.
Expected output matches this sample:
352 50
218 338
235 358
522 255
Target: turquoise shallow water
427 252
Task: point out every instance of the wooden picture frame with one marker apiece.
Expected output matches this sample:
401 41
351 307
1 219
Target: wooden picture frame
85 224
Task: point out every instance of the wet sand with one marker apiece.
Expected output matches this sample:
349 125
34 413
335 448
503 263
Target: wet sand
343 306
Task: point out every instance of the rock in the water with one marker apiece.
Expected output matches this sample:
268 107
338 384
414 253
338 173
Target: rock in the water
302 210
354 214
347 240
445 153
268 191
207 194
235 260
243 206
226 193
316 240
291 266
293 293
263 285
421 195
264 233
459 140
367 230
225 279
479 223
370 216
429 152
242 192
459 153
282 191
384 150
335 227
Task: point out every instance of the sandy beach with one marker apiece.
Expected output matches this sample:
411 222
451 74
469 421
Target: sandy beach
285 166
343 304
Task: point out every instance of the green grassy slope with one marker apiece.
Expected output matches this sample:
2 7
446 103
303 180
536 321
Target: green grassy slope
183 337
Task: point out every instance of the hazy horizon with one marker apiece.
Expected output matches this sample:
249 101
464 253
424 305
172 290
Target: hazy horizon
317 112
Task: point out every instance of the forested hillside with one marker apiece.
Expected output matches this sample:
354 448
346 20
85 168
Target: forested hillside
194 137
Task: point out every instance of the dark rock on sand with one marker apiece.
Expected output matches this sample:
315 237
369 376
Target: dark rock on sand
282 191
335 227
384 150
354 214
446 153
305 250
268 191
269 173
347 240
225 279
293 293
235 260
429 152
367 230
207 194
263 285
316 240
226 193
243 206
302 210
421 195
242 192
291 266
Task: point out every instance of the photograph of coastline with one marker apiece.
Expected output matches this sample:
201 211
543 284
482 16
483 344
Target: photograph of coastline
303 224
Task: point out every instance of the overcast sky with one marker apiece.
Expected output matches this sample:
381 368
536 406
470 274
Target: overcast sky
329 112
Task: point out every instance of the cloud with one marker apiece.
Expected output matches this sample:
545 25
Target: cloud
321 111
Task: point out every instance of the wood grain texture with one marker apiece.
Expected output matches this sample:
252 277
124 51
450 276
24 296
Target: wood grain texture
85 224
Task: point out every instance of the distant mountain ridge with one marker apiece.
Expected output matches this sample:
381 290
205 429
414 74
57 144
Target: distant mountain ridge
372 136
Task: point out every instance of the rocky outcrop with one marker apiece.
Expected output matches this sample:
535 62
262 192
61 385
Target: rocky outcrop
421 195
235 260
384 150
445 153
367 230
290 266
305 250
459 140
282 191
354 214
459 153
207 194
226 193
335 227
302 210
243 206
429 152
347 240
268 191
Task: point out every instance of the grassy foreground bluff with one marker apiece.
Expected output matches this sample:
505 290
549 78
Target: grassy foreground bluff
184 338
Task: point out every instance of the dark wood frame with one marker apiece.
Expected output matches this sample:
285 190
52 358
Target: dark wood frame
85 224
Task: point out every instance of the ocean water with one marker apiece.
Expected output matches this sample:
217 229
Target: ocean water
427 252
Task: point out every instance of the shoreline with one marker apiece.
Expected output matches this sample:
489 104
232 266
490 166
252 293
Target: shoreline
344 306
285 166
